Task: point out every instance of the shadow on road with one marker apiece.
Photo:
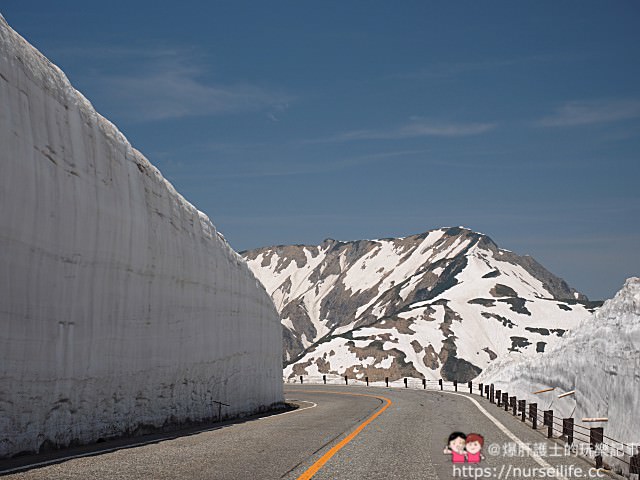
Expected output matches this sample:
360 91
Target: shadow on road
24 462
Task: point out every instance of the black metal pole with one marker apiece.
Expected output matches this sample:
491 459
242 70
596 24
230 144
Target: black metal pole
596 437
634 464
567 430
533 415
548 421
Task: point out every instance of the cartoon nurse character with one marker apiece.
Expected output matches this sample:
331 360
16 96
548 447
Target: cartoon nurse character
475 441
455 447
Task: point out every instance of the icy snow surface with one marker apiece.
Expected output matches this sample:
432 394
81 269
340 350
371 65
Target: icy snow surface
599 359
121 305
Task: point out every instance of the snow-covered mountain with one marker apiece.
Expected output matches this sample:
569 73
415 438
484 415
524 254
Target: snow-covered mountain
599 359
121 306
443 303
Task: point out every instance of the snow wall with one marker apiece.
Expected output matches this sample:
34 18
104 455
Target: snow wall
599 359
121 306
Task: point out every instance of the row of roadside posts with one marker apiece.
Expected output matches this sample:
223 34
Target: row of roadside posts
406 382
519 407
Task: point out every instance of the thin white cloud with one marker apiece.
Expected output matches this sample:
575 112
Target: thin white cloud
455 69
261 168
117 52
592 112
158 83
411 130
179 91
422 130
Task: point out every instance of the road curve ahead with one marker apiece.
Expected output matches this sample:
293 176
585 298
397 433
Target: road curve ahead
339 432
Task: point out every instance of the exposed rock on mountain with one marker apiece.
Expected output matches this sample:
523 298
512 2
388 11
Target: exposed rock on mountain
444 303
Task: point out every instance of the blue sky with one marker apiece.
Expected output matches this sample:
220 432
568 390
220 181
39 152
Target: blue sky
291 122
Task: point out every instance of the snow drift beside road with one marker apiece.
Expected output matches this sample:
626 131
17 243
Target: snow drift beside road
599 359
122 308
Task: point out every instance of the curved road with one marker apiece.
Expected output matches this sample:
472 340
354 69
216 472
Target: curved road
405 440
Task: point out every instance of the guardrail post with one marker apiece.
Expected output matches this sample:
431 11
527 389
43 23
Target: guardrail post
480 387
486 391
499 397
470 387
405 382
548 421
367 379
220 404
440 383
567 430
634 464
492 394
324 379
455 385
514 405
522 408
424 383
533 415
386 380
346 380
505 401
596 437
301 379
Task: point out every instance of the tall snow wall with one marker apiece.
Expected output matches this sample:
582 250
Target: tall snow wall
600 360
121 306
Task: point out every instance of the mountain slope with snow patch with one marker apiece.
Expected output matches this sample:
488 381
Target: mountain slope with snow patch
445 303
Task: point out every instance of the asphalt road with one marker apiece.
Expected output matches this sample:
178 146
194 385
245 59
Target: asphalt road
405 441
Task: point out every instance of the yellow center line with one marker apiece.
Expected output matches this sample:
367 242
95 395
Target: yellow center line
313 469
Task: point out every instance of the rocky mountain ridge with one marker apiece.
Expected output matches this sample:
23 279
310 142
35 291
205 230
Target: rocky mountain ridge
444 303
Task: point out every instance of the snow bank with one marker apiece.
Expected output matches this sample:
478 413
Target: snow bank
121 305
600 360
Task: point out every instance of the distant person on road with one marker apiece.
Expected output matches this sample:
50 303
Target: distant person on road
455 447
475 441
